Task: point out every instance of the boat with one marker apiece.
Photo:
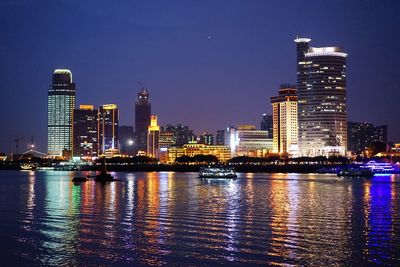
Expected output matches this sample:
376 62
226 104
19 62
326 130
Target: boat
78 179
103 176
356 173
217 172
379 167
28 166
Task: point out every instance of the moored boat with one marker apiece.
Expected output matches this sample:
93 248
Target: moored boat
356 173
217 172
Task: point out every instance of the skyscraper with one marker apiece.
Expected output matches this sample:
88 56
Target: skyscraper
267 124
85 131
60 107
142 118
321 89
207 139
153 138
108 129
220 137
284 108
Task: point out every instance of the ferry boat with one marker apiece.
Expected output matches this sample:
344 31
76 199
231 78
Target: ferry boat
217 172
28 167
356 173
379 167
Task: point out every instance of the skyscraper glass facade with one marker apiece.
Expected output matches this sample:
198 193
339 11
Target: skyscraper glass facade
321 84
60 107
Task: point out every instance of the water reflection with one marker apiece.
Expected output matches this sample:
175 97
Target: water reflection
177 218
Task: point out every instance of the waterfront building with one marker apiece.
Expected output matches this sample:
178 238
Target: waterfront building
223 153
182 133
60 107
360 136
153 138
220 137
245 140
126 138
142 118
321 90
207 139
166 139
267 124
85 132
381 134
108 120
284 108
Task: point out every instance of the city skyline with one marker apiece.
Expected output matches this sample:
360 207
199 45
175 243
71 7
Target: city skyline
248 71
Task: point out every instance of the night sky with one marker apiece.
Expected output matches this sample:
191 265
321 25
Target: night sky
207 64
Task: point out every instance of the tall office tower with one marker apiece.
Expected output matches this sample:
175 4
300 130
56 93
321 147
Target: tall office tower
60 107
360 135
108 120
126 138
381 134
220 138
85 132
321 90
284 108
267 124
207 139
153 138
142 119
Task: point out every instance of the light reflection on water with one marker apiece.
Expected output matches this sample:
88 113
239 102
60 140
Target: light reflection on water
176 218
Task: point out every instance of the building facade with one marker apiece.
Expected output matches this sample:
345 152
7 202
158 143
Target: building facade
223 153
153 138
108 120
85 132
267 124
207 139
284 108
322 113
363 135
245 140
142 119
182 134
60 108
220 138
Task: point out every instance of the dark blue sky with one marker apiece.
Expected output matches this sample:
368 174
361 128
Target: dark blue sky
206 83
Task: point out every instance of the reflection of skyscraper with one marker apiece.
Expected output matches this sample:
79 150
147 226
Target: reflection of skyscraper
284 108
60 106
108 129
321 85
85 131
142 118
267 125
153 138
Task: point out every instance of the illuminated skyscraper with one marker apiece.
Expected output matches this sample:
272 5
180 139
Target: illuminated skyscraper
284 108
142 118
60 107
153 138
207 139
321 90
108 129
85 131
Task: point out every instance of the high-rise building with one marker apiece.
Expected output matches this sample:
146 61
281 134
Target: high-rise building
267 124
360 136
182 134
108 129
321 90
126 138
220 138
153 138
142 118
381 134
284 108
207 139
60 107
85 132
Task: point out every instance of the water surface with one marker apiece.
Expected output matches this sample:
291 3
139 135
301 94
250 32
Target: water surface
178 219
